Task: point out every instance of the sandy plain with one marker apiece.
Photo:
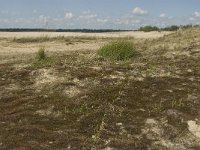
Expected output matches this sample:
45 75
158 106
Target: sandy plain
135 34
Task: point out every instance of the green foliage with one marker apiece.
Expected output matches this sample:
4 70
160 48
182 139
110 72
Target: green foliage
171 28
41 54
117 50
149 28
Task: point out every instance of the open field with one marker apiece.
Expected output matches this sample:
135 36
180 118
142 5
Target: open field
15 43
136 34
75 99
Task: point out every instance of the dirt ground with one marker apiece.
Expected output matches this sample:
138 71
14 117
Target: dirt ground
75 99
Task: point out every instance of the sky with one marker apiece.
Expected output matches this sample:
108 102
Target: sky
97 14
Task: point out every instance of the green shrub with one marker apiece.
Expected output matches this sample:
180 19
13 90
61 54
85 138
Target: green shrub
41 54
149 28
117 50
171 28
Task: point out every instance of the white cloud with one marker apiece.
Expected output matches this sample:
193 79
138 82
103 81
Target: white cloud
102 20
196 14
42 18
139 11
87 15
163 15
35 11
4 20
137 21
4 12
86 12
69 15
192 19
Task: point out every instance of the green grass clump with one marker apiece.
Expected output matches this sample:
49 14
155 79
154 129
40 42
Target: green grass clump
41 55
118 50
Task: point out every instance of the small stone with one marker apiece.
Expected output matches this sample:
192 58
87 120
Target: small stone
170 91
96 68
143 110
119 124
194 128
144 75
178 72
140 79
191 79
189 70
151 121
45 96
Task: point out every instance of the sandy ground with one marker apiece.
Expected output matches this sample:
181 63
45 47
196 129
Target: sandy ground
136 34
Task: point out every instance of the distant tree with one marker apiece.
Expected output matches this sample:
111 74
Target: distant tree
171 28
149 28
186 26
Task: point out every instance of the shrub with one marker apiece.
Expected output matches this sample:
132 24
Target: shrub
149 28
117 50
171 28
41 54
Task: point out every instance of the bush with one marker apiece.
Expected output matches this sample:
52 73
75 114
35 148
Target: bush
171 28
117 50
41 54
149 28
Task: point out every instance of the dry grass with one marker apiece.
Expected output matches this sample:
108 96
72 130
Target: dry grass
136 34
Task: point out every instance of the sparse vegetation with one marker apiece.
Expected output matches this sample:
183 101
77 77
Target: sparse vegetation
46 38
118 50
170 28
78 100
149 28
41 55
40 39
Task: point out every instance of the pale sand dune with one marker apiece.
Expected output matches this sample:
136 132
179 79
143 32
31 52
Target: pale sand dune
135 34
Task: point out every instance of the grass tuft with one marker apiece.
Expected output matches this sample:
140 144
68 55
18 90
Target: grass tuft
41 55
118 50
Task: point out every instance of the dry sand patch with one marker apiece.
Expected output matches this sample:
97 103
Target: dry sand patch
135 34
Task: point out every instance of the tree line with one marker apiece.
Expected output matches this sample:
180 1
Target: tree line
144 28
58 30
170 28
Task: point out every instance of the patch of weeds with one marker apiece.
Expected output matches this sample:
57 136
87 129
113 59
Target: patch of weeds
177 103
41 55
118 50
156 108
85 72
42 60
47 62
81 109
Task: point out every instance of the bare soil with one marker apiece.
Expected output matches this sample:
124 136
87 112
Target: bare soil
75 99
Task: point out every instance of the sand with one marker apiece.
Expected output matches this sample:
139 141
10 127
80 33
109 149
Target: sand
136 34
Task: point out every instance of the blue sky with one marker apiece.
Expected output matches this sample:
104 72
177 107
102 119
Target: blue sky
97 14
